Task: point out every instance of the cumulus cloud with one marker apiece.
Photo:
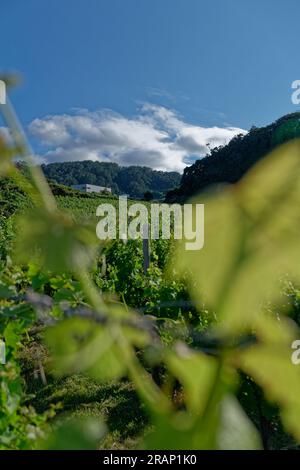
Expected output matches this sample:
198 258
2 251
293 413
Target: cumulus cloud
156 137
6 135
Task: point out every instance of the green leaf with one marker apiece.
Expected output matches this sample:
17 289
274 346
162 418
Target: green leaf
54 241
196 372
251 239
75 434
210 268
173 432
80 345
271 367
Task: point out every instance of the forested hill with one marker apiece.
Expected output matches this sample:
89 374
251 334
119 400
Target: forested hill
228 164
132 180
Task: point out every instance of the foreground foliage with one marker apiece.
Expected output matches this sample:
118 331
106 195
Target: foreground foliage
186 366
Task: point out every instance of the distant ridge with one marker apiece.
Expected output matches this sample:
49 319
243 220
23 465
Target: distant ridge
132 180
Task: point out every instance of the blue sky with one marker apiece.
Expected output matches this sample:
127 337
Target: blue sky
103 70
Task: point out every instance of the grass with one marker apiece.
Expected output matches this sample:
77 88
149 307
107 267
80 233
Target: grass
80 396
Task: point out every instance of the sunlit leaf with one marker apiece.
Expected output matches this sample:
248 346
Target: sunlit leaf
196 372
171 433
80 345
272 368
211 267
55 241
75 434
251 239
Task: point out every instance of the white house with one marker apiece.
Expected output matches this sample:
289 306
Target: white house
2 92
91 188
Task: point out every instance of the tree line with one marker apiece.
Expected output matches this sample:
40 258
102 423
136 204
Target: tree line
227 164
132 180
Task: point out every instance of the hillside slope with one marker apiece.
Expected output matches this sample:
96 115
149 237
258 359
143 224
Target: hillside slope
132 180
229 163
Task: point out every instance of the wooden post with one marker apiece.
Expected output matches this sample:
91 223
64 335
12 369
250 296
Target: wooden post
103 265
42 372
146 247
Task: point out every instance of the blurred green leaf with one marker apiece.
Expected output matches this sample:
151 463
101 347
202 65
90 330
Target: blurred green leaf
196 372
173 432
55 241
251 239
80 345
75 434
271 367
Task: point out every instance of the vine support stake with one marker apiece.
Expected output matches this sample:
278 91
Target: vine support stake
146 247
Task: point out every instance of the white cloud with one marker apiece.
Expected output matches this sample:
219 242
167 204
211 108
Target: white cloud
6 135
157 137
